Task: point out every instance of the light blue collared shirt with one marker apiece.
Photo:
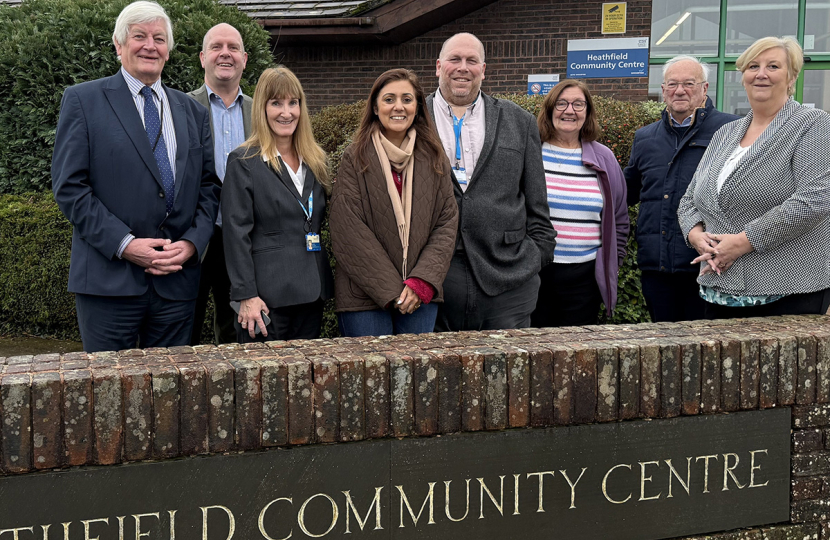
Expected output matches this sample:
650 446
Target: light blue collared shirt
228 132
167 129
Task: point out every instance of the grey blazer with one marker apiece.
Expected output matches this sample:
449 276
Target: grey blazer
201 95
504 220
779 194
264 232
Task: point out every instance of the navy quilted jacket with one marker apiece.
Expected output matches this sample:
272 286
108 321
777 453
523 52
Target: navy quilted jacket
663 161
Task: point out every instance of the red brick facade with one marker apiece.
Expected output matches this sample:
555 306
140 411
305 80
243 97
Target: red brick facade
521 37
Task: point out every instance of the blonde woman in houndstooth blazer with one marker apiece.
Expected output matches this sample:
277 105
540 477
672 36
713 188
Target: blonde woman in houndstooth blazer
758 208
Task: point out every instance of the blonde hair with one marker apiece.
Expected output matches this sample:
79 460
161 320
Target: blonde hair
794 53
281 83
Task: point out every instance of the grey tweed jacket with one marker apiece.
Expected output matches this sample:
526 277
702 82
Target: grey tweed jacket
201 95
779 193
503 217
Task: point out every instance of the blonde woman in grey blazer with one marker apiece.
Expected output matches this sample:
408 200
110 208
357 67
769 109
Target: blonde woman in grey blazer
758 208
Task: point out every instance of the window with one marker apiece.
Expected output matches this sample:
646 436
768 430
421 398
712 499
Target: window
685 27
748 20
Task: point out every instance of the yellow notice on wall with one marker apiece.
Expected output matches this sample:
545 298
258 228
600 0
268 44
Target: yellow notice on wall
613 18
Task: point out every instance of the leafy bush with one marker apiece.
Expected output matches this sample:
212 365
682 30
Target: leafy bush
48 45
35 238
34 247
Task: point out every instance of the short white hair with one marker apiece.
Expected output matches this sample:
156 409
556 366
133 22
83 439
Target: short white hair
704 68
140 12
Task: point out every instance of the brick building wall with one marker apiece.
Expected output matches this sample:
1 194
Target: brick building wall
520 37
108 408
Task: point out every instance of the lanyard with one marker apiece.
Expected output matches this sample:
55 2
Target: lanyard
310 209
457 124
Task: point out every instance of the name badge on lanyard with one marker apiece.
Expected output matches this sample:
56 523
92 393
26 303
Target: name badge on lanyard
312 241
459 171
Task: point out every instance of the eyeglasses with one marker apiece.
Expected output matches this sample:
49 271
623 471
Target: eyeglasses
687 85
562 105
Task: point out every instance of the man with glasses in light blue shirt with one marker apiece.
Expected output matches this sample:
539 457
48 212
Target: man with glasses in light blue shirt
224 58
663 160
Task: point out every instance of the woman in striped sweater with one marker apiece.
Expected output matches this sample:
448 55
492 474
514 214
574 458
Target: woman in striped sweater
587 200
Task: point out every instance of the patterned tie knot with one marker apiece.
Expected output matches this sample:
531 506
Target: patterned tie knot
147 92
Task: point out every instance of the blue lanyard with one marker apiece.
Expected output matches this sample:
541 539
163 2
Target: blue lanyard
310 209
457 123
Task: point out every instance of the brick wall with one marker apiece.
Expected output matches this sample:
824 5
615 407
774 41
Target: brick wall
108 408
520 37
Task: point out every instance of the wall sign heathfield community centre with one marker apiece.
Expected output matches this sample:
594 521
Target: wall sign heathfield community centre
613 57
631 480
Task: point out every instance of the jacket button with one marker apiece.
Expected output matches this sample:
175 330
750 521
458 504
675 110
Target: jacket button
466 197
662 268
670 162
161 194
665 196
663 233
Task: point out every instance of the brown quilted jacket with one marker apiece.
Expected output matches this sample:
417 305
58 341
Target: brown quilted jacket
365 238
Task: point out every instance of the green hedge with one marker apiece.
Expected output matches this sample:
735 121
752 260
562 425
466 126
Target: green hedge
35 238
48 45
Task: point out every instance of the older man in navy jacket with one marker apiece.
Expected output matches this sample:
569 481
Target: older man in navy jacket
133 172
663 160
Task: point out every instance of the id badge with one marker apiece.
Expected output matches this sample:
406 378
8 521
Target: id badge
312 242
461 176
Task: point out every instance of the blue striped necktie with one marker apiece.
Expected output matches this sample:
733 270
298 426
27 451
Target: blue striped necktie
152 124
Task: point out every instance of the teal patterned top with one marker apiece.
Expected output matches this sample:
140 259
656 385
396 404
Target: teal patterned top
730 300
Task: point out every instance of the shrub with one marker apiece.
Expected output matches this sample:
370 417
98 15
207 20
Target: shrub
34 247
35 238
48 45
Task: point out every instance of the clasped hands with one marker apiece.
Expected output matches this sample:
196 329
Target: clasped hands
719 251
170 259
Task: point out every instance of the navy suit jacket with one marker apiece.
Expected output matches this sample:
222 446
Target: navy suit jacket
107 183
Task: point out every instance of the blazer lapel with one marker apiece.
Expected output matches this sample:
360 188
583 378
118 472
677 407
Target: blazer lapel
308 184
491 123
118 95
247 104
182 136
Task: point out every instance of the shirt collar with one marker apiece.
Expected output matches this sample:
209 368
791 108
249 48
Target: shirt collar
444 105
135 85
211 93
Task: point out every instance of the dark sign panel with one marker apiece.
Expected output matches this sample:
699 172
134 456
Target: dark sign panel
634 480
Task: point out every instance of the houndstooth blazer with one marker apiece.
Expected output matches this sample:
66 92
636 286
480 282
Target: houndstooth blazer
779 193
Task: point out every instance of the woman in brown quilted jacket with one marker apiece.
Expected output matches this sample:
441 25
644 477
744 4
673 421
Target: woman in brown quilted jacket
393 215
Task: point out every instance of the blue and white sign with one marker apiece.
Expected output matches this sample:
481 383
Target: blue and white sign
601 58
541 84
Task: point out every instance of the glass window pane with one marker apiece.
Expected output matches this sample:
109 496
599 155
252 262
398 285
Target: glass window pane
734 95
655 78
748 20
817 27
685 27
817 89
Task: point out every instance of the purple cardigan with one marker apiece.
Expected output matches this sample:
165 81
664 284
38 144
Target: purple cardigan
615 223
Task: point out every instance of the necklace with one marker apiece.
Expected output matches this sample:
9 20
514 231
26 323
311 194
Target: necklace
561 161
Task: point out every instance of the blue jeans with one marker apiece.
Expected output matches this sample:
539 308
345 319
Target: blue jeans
387 322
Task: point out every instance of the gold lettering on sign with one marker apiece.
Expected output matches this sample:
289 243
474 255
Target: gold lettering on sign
16 532
541 476
87 522
605 484
231 520
66 530
573 485
727 471
120 527
335 513
45 531
172 514
753 468
429 499
516 494
261 520
362 522
447 501
675 474
644 479
499 505
137 518
706 470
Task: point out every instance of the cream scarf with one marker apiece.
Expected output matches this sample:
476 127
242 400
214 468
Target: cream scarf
400 159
